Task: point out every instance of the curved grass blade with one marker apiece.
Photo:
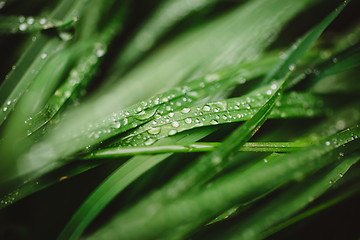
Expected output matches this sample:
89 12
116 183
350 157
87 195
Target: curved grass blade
292 201
80 75
29 24
224 111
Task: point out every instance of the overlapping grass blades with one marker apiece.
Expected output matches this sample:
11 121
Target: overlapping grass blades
199 172
167 63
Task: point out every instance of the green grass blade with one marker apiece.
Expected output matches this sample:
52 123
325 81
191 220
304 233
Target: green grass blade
292 201
195 147
299 48
143 82
21 24
114 184
220 112
210 86
33 60
204 169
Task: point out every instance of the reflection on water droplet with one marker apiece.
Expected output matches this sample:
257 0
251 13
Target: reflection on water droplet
138 109
153 131
149 141
117 124
42 21
23 27
185 110
291 67
188 120
125 121
22 19
268 92
5 109
175 124
172 132
206 108
327 143
214 122
30 20
43 55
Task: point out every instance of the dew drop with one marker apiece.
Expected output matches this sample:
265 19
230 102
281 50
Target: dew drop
327 143
188 120
43 55
268 92
154 131
291 67
214 122
175 124
212 77
22 19
125 121
168 108
172 132
206 108
30 20
23 27
171 114
340 125
149 141
185 110
138 109
65 36
42 21
117 124
5 109
100 50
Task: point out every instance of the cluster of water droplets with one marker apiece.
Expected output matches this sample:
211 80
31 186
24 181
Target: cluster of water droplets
186 118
